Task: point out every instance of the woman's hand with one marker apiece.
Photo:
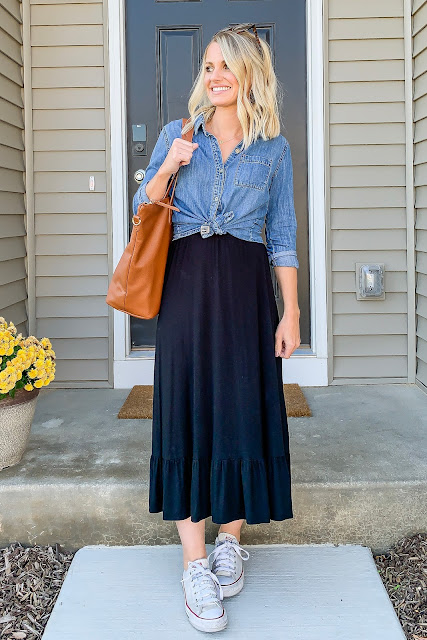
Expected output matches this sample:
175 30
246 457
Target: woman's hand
179 154
288 334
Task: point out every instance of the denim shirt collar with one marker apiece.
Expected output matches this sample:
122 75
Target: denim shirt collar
200 120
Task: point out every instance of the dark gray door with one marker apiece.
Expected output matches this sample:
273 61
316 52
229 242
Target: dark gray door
164 44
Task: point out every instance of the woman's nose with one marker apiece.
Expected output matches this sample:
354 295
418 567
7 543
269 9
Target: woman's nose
216 75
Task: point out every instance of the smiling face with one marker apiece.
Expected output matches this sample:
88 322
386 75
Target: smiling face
220 84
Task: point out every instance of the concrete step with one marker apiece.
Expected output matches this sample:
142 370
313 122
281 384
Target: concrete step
294 592
359 472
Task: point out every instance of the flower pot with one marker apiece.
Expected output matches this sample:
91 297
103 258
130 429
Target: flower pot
16 416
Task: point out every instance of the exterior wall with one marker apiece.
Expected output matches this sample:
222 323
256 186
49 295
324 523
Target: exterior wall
367 186
420 162
13 283
71 243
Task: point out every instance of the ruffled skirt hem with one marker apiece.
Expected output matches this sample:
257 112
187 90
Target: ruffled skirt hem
229 489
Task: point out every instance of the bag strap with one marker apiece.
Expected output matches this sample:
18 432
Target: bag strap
187 136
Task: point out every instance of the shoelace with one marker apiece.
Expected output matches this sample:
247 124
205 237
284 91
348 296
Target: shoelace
223 556
202 578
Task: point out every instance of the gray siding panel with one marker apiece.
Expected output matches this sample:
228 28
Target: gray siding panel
69 98
71 243
9 46
384 49
367 185
74 328
68 56
363 28
420 160
13 277
369 324
72 266
69 161
89 223
69 119
365 9
14 291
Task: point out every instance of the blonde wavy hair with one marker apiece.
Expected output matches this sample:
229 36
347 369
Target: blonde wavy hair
260 93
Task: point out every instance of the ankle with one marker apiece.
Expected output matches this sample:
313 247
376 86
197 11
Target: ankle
233 533
192 559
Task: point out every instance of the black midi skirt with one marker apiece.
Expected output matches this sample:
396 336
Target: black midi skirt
220 443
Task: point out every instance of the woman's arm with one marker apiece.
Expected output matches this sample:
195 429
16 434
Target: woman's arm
156 187
281 226
288 331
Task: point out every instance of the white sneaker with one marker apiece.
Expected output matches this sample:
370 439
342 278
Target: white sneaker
203 595
227 563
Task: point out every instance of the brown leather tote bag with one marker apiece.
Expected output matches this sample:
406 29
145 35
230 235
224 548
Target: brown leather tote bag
137 282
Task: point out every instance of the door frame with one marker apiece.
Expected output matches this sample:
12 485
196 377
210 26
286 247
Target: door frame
305 367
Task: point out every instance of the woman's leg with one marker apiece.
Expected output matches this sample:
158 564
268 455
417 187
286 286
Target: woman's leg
232 527
192 536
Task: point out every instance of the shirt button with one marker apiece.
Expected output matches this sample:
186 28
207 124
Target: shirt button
216 198
238 150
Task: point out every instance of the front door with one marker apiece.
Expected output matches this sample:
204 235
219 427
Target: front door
165 40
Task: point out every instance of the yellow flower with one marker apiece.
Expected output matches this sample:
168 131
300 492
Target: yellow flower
29 356
7 389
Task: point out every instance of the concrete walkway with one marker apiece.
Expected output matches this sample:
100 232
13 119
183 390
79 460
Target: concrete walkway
359 471
290 592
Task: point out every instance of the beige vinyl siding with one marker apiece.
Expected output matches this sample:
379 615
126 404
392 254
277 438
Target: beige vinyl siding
367 186
420 177
69 103
13 276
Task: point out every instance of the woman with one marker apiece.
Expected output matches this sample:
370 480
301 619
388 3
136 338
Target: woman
220 443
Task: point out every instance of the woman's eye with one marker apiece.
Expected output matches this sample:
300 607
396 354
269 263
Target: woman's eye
208 67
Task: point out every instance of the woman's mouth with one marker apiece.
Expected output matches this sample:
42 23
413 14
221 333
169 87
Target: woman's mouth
220 89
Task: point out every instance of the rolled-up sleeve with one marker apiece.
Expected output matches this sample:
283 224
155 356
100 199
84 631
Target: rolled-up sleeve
158 156
281 224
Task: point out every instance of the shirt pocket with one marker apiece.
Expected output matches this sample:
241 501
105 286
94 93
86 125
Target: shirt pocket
253 171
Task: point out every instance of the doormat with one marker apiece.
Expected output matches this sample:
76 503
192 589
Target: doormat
139 403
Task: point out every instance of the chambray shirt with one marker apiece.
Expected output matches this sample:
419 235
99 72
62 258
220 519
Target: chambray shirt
251 188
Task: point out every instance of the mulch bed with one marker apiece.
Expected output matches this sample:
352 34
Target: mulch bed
403 571
30 581
31 578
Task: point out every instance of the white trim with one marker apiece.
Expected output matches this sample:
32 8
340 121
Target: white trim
316 177
305 368
116 61
410 194
29 167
